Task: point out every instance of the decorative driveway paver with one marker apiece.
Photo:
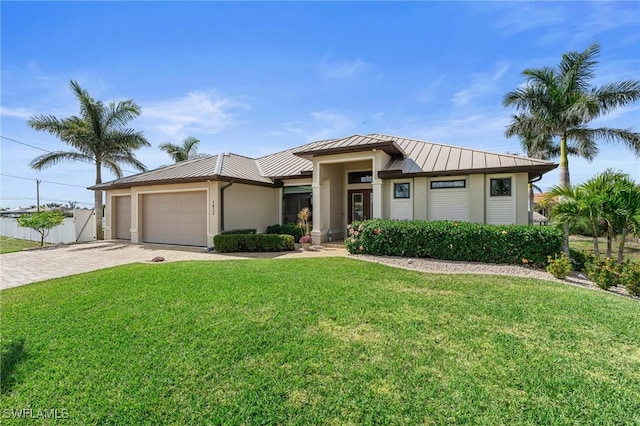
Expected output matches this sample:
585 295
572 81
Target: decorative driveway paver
30 266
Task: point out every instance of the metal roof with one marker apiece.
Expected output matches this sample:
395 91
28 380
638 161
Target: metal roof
411 157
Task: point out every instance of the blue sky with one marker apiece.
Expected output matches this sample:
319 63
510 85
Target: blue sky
256 78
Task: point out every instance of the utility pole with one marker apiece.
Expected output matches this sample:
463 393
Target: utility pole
38 194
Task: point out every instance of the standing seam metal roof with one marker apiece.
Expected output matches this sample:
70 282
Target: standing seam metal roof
410 156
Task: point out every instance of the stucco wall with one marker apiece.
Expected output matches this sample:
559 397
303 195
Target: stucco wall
249 206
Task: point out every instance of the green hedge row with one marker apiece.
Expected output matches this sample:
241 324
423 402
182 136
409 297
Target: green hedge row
288 229
239 231
226 243
447 240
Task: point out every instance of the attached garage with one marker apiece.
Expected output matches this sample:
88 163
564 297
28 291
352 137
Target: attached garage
122 229
175 218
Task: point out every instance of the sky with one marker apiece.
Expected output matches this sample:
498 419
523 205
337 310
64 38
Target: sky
257 78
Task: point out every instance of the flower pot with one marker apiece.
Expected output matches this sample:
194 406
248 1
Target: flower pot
306 246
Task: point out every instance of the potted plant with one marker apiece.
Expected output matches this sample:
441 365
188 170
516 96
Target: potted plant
305 240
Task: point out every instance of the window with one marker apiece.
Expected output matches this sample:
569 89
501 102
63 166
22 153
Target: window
501 187
438 184
360 177
401 190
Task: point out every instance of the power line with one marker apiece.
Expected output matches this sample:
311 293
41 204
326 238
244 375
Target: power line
47 181
46 150
41 199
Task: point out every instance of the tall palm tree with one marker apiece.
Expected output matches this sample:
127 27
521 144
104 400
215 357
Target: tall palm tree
558 103
98 136
186 151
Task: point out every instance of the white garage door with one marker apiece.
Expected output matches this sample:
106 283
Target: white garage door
123 217
175 218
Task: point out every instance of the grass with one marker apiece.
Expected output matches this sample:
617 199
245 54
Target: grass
317 341
10 245
585 244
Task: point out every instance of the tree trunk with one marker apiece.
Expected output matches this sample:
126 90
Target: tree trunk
596 247
565 181
98 202
530 203
623 237
609 239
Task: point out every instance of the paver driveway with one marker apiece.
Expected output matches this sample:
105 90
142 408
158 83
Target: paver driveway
38 265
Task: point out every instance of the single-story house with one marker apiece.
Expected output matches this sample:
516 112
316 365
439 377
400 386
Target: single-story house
353 178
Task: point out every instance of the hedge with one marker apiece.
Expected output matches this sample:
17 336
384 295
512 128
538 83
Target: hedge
288 229
448 240
226 243
239 231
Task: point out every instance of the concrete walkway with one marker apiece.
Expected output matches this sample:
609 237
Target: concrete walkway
30 266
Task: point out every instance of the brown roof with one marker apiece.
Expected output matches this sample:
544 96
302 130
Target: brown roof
411 157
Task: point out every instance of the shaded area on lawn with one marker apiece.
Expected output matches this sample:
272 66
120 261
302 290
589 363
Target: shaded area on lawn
11 354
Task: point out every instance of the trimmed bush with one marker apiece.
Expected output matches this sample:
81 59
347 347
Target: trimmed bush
559 267
288 228
227 243
579 259
605 273
630 277
448 240
239 231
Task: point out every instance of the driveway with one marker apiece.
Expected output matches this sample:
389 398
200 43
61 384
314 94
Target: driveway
30 266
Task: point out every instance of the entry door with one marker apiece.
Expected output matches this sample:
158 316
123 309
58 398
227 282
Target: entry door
360 204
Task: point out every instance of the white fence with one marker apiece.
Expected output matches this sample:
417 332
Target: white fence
81 227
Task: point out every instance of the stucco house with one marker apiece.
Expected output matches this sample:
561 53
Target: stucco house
342 180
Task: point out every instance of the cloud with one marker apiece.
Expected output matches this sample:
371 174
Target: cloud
196 113
18 112
482 83
323 125
341 69
518 17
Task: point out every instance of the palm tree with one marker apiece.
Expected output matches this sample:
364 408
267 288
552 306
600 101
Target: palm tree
98 136
558 104
186 151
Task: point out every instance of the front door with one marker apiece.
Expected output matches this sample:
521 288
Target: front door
360 204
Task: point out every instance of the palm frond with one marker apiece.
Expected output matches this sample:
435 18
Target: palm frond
52 158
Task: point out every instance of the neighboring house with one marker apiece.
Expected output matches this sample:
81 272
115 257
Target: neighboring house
342 180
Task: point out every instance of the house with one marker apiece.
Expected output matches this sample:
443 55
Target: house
353 178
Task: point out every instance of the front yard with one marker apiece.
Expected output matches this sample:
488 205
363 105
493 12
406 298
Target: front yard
317 341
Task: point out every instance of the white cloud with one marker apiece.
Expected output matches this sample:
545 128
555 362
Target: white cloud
323 125
18 112
481 84
196 113
341 69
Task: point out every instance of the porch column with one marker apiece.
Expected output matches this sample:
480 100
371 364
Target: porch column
316 186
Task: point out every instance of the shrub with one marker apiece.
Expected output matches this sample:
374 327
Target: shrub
630 277
559 267
579 259
450 240
605 273
226 243
239 231
288 228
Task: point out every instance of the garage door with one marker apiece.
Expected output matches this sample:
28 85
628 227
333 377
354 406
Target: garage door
175 218
123 218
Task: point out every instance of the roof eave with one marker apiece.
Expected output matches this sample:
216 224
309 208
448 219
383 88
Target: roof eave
533 171
124 185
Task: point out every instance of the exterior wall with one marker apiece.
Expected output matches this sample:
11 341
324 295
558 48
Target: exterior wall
250 206
401 208
522 198
501 210
420 206
477 198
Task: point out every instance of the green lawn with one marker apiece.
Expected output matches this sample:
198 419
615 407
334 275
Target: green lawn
585 244
317 341
9 245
